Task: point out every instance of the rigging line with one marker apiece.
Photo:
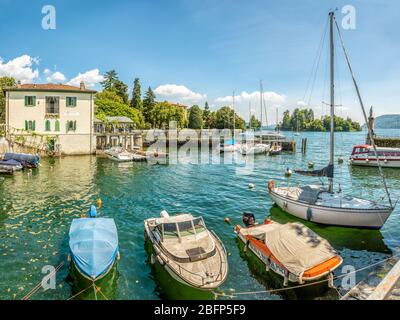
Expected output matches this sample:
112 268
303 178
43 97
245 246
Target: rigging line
317 66
312 283
365 116
315 60
80 292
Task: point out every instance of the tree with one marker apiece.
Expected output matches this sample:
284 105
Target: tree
112 83
163 113
206 115
195 117
109 103
136 101
286 121
224 119
148 106
254 123
4 82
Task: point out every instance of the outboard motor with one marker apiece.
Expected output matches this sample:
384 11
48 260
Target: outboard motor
248 219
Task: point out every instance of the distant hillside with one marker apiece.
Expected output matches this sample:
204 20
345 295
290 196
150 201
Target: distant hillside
388 121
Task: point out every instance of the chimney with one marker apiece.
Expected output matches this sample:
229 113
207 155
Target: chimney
82 86
19 84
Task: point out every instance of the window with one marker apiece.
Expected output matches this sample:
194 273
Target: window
71 101
52 105
30 125
47 125
71 125
57 126
30 101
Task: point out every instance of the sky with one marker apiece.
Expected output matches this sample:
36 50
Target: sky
192 51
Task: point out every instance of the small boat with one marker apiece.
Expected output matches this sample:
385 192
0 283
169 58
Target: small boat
10 165
93 244
290 250
187 250
364 155
230 146
25 160
119 154
253 149
275 150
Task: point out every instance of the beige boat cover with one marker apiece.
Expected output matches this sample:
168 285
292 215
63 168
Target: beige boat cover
298 248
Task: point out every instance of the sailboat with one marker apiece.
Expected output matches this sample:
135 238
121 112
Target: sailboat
323 205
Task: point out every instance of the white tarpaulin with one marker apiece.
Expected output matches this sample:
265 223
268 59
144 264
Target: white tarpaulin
297 247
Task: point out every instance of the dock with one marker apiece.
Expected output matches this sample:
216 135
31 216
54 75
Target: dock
381 284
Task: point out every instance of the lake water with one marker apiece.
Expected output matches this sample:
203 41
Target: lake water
36 209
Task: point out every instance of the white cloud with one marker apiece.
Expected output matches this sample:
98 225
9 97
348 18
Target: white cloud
301 103
254 97
178 93
54 77
20 68
90 78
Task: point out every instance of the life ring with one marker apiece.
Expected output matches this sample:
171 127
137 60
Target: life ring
271 185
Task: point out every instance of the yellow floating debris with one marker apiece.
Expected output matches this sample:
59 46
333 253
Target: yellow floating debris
99 203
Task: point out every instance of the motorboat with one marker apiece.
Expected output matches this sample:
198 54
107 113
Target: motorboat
364 155
275 149
290 250
25 160
230 146
119 154
187 250
93 244
10 165
322 204
254 149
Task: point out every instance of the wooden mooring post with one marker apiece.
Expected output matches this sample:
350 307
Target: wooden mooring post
304 145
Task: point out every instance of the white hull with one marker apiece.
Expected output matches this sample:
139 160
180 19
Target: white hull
119 159
339 216
230 148
373 163
259 148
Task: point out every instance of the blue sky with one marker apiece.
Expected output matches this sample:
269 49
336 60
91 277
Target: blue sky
191 50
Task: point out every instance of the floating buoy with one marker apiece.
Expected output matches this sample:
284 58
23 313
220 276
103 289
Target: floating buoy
99 203
340 159
288 172
227 220
251 186
311 164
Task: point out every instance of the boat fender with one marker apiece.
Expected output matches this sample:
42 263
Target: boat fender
286 278
267 264
246 245
301 281
251 186
285 204
367 160
164 214
227 220
92 212
330 280
152 259
237 228
385 161
161 261
271 185
69 258
118 255
99 203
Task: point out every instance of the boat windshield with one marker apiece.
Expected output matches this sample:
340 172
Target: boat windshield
183 228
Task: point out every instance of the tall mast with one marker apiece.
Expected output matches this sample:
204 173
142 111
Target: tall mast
261 102
250 115
332 55
277 120
233 104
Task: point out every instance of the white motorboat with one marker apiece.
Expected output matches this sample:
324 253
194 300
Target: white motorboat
187 250
324 205
119 154
364 155
253 149
230 146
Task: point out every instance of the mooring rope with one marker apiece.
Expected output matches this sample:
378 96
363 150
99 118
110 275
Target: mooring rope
216 294
38 286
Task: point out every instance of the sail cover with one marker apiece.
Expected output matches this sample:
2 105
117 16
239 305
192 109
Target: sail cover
94 245
324 172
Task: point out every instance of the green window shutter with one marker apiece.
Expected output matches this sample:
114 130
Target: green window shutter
34 125
26 101
74 125
34 101
26 125
67 101
57 125
47 125
75 101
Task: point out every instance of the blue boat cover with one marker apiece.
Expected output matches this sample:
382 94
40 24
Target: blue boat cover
23 158
230 142
94 245
13 163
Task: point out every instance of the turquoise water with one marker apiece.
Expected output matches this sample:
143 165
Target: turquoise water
36 209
